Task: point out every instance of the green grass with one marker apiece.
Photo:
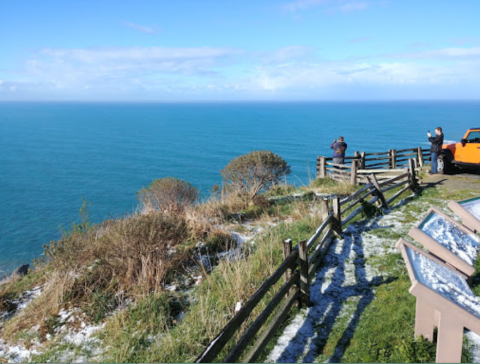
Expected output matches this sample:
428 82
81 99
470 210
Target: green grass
384 332
152 330
211 304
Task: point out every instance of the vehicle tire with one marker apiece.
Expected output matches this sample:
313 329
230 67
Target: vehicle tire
443 164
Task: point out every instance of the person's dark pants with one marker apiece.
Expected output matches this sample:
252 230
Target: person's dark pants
434 162
340 160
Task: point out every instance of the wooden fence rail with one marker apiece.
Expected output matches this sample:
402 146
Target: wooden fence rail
383 164
298 268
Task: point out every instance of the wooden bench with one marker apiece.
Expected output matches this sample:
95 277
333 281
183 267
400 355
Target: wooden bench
444 300
469 212
448 240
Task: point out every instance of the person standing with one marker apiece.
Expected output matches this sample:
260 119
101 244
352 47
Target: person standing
436 147
339 147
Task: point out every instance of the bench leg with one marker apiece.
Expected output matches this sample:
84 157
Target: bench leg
424 320
450 339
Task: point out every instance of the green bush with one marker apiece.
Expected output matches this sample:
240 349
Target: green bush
169 195
253 172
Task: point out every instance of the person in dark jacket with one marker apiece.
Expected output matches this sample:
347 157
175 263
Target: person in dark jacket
436 147
339 147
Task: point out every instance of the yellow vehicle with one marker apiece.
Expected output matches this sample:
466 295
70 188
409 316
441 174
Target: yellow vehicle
465 154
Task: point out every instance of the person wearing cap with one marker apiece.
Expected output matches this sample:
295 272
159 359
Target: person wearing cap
339 147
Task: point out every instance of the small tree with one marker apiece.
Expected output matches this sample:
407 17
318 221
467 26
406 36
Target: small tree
250 173
169 194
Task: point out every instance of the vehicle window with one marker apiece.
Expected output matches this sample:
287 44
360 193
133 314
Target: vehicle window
473 137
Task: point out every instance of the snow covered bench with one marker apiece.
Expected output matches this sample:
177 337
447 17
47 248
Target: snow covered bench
448 240
469 211
444 300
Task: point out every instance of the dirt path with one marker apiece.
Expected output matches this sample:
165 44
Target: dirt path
456 182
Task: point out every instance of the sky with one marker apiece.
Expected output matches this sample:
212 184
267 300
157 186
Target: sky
248 50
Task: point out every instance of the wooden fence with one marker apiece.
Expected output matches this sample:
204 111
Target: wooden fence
298 268
384 164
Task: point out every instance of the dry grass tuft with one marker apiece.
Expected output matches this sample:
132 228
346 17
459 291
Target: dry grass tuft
55 293
328 185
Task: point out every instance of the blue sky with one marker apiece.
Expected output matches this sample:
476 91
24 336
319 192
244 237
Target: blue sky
209 50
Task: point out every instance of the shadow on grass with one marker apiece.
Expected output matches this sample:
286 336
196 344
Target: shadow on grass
341 278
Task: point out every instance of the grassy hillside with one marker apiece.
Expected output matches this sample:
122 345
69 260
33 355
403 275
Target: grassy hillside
158 288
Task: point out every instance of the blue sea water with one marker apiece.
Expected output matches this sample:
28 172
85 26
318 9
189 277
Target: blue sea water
52 154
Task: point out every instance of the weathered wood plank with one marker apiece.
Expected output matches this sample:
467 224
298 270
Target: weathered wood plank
398 193
357 193
384 170
338 171
420 156
407 150
321 167
353 203
304 281
252 330
394 186
405 160
403 155
271 329
312 258
234 324
377 158
337 165
380 153
378 192
287 250
387 164
318 232
353 173
337 216
321 253
358 210
393 179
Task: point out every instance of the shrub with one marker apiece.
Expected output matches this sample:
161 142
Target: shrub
140 251
250 173
169 195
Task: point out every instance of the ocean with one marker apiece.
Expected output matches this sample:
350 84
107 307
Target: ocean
53 154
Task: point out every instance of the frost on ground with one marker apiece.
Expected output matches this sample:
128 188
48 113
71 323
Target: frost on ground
73 341
344 287
18 353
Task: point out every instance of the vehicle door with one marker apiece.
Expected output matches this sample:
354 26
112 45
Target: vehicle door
471 150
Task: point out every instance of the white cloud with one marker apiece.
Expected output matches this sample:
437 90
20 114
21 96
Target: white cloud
321 76
118 67
197 73
140 28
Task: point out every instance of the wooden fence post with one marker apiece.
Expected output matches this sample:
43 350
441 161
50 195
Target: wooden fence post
357 158
420 157
353 173
287 249
413 178
324 206
337 224
321 167
393 159
304 283
378 191
362 160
